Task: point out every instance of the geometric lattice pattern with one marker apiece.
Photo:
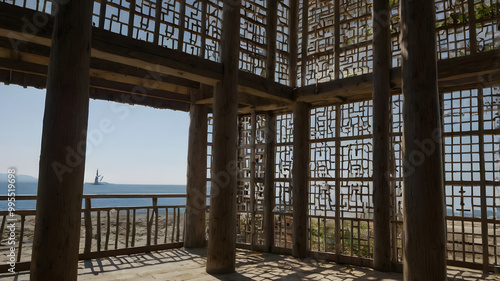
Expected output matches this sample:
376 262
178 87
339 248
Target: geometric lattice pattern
339 34
282 182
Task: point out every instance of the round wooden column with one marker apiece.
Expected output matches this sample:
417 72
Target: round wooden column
423 194
301 131
62 161
381 135
196 188
221 250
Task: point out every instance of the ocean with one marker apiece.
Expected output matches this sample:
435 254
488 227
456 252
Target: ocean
31 189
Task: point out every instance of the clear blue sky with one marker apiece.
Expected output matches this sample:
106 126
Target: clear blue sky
146 146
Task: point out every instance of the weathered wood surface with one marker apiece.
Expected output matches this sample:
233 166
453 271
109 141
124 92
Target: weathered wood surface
144 55
300 172
196 188
62 160
221 250
269 189
381 135
424 256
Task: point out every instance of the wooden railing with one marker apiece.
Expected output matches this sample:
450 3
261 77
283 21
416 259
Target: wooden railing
105 231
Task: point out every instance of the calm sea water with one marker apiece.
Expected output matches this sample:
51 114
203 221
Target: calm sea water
31 189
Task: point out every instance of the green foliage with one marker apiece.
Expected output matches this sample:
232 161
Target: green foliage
357 247
481 12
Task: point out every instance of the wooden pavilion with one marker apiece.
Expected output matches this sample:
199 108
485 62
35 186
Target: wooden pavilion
362 131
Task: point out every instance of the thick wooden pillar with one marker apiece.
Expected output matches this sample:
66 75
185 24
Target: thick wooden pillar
269 190
221 251
423 194
196 188
381 135
62 160
301 131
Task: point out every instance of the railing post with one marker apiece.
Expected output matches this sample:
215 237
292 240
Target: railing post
155 212
88 225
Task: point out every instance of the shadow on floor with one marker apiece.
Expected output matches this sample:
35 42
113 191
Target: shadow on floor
189 264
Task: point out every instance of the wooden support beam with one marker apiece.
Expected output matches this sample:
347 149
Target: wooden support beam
203 30
300 172
135 53
102 13
182 17
158 19
381 135
424 255
269 190
305 42
196 188
271 31
221 250
293 42
336 42
62 161
131 19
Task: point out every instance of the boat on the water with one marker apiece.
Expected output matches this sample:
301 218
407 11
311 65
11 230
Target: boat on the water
98 178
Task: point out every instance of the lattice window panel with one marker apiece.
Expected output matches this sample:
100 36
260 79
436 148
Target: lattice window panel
355 22
320 50
300 32
214 30
282 43
470 176
463 200
322 199
192 27
395 31
283 210
356 32
464 240
250 199
357 238
396 175
491 117
117 16
144 20
96 14
491 105
452 24
169 24
460 111
462 160
43 6
253 44
487 13
244 173
356 61
210 134
356 119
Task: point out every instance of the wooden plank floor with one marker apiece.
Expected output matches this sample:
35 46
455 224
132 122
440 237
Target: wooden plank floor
182 264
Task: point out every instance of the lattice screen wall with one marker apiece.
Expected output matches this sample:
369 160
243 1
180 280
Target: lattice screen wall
250 190
283 209
340 177
339 34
